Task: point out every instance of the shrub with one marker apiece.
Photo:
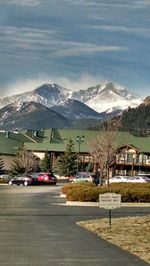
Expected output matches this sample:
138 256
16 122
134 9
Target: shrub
71 186
83 193
3 181
129 193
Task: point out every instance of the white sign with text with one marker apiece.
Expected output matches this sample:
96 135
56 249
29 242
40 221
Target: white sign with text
110 201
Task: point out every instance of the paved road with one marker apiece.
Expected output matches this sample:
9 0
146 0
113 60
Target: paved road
36 231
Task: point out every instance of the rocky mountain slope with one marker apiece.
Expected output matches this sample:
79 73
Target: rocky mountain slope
74 109
107 97
47 94
136 120
101 98
30 115
51 105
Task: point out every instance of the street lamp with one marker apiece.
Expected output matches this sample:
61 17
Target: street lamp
79 139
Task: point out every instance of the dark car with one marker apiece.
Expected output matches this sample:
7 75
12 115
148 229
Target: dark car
46 178
24 179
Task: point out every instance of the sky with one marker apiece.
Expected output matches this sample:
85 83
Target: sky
74 43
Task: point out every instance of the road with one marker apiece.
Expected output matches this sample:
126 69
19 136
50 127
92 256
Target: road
35 230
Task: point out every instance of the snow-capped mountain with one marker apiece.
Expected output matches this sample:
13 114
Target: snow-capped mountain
101 98
74 109
47 94
58 105
107 97
30 115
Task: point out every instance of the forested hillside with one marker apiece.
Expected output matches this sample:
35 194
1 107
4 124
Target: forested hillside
137 120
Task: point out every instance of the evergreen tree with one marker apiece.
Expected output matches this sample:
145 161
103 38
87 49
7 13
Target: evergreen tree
24 161
67 163
46 163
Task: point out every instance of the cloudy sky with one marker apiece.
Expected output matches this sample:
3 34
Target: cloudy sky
74 43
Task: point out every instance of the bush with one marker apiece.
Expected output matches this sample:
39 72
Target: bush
83 193
3 181
129 192
71 186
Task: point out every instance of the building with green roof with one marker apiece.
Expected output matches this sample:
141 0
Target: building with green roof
133 153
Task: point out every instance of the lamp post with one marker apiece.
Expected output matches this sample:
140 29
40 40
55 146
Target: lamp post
79 139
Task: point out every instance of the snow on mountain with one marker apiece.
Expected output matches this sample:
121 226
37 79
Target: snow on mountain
47 94
101 98
105 97
30 115
86 95
74 109
52 94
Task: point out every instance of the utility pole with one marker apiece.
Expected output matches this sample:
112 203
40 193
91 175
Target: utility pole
80 140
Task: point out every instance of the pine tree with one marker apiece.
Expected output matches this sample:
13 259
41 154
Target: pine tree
24 161
46 163
67 163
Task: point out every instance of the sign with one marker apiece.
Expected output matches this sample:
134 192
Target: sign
109 201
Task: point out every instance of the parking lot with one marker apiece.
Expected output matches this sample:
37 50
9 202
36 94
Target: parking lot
36 230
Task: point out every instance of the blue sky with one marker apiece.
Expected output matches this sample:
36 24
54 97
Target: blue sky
74 43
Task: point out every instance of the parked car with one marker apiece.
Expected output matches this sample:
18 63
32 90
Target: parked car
119 179
24 179
5 177
46 178
84 177
139 179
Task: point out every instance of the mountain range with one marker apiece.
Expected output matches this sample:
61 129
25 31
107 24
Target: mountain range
51 105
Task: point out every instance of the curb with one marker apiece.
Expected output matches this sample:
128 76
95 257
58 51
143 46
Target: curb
96 204
62 195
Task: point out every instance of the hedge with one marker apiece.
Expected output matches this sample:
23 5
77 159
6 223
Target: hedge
71 186
3 181
129 193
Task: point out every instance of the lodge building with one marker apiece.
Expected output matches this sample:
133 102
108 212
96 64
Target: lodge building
132 154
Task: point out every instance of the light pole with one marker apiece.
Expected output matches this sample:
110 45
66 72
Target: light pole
79 139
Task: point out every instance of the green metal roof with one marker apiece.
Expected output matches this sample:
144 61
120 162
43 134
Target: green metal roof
9 143
57 139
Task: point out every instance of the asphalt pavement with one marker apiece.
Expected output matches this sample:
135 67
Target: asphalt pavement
35 230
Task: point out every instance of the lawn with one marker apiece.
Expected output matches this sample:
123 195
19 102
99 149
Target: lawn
129 233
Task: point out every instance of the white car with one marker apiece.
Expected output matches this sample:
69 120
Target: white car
119 179
84 177
139 179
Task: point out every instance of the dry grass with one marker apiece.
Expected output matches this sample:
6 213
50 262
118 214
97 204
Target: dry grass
129 233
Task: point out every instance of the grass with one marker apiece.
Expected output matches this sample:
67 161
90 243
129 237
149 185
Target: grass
130 233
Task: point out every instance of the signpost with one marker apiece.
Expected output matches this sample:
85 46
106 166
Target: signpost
110 201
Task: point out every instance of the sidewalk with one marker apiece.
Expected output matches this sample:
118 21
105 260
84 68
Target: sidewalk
96 204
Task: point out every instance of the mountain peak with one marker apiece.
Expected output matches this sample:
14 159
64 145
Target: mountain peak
146 101
105 97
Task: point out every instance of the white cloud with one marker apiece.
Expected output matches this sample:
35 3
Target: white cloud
84 48
88 3
139 31
34 42
83 82
12 33
22 2
102 3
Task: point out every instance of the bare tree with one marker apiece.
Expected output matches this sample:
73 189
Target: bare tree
24 162
103 150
